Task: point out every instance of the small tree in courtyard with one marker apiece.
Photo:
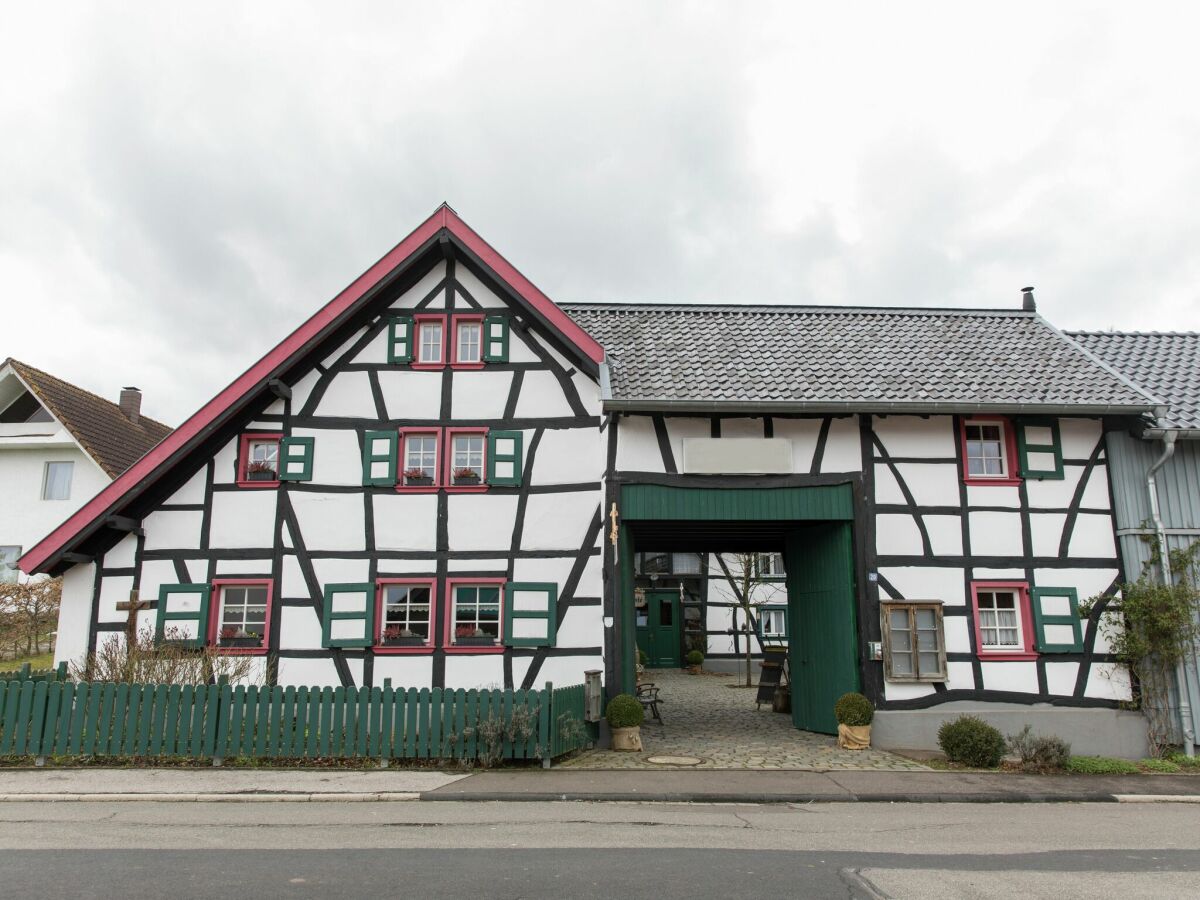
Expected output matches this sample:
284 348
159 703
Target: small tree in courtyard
749 585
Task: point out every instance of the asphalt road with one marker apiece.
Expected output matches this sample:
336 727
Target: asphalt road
564 850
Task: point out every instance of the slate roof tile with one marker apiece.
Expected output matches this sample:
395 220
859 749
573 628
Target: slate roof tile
1167 364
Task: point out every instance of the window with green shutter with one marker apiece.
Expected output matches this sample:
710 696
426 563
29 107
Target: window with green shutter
1056 623
530 614
400 332
183 614
296 458
379 458
504 458
349 619
1039 448
495 339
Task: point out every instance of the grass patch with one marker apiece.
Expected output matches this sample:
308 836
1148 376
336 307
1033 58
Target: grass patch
1190 763
1101 765
1158 765
44 661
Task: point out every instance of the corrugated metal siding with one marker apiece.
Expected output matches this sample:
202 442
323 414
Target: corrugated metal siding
655 501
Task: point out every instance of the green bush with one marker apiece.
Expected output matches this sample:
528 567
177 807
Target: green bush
695 658
624 711
1185 762
853 709
1100 765
971 741
1039 754
1158 765
642 657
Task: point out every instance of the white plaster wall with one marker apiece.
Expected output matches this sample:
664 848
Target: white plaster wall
637 446
405 521
558 670
993 495
411 395
958 634
1010 676
481 521
303 388
330 521
887 488
225 463
916 436
931 484
1079 437
337 457
1054 493
945 535
904 690
896 534
541 396
1093 537
843 450
479 394
193 489
567 456
477 289
742 428
995 533
475 671
926 583
339 571
376 351
25 518
582 626
960 676
348 394
74 613
241 519
519 350
678 430
421 289
803 434
1060 677
1045 530
299 629
404 671
1108 682
302 672
557 521
170 529
336 356
229 567
122 554
157 572
114 589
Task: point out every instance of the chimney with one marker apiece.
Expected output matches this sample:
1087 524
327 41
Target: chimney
1027 303
131 403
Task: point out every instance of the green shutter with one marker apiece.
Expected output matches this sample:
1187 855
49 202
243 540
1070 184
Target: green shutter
296 458
495 339
1041 619
400 332
380 448
1038 457
530 614
505 451
181 605
353 604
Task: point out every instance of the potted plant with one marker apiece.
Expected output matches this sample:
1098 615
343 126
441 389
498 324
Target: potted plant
239 637
470 636
417 478
695 660
466 476
854 713
625 716
261 471
396 636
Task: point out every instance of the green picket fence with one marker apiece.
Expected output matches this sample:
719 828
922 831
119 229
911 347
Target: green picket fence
26 673
55 718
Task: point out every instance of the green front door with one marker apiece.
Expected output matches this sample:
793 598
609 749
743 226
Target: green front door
658 629
823 637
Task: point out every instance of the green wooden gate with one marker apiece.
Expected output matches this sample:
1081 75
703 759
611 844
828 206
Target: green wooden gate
823 637
659 636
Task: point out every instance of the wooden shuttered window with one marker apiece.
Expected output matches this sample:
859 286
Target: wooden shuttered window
1056 623
349 615
183 614
505 457
1039 448
495 338
379 458
530 614
296 458
400 340
914 641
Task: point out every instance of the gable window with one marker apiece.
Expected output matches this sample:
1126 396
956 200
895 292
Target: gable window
419 459
474 618
914 641
770 565
258 460
9 573
431 341
467 457
988 452
56 483
241 618
468 339
772 623
1003 626
405 619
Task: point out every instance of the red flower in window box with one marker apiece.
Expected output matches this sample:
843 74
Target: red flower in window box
466 475
416 476
260 471
230 636
397 636
470 636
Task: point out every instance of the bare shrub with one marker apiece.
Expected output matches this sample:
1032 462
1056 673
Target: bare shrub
147 660
1039 753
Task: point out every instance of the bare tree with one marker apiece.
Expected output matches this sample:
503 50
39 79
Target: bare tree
28 614
746 581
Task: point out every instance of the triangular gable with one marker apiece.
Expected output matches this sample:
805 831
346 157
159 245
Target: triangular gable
443 223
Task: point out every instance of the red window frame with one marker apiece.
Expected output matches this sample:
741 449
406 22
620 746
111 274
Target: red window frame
1010 477
418 319
214 615
428 646
448 644
455 321
1021 589
402 460
448 462
243 460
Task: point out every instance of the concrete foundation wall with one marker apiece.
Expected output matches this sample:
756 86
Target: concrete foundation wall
1090 732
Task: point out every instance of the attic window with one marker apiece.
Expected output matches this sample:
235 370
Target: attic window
258 460
24 409
988 452
431 341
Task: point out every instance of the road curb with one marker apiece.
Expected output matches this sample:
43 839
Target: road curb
772 798
215 797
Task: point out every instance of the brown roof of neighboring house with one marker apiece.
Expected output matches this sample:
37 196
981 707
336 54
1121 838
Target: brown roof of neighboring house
105 433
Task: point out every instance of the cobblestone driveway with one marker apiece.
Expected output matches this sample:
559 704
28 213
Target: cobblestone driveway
704 717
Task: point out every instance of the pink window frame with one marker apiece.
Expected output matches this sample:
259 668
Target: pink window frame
402 459
1021 589
1010 451
448 462
455 321
243 460
418 319
214 615
448 644
428 646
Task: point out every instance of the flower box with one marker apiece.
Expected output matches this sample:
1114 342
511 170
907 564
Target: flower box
414 641
418 481
262 475
467 480
240 642
485 641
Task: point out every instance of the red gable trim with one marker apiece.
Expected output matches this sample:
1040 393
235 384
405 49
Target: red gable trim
443 217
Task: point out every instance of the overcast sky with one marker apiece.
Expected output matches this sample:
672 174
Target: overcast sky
180 189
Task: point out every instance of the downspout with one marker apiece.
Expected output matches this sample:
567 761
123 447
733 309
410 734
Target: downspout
1181 685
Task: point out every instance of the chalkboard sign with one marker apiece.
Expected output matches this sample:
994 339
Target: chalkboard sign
773 673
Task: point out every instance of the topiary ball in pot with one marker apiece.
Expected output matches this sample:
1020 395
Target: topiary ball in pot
695 659
854 713
971 741
625 716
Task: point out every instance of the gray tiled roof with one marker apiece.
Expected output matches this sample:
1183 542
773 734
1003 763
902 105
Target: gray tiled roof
844 357
1167 364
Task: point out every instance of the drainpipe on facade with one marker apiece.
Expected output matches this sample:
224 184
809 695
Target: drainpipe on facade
1181 684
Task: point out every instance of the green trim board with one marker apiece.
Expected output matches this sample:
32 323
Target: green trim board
505 457
495 338
366 615
400 345
296 451
823 502
547 614
1026 447
199 615
371 456
1041 619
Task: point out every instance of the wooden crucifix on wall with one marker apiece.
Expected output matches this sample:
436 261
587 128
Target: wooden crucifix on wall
131 608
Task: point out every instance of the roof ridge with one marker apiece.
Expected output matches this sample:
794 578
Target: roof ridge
642 306
1116 333
17 363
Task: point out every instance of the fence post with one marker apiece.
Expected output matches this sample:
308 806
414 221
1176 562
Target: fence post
23 675
61 671
548 722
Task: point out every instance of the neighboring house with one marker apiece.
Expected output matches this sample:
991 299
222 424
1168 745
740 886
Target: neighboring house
446 480
59 445
1155 468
